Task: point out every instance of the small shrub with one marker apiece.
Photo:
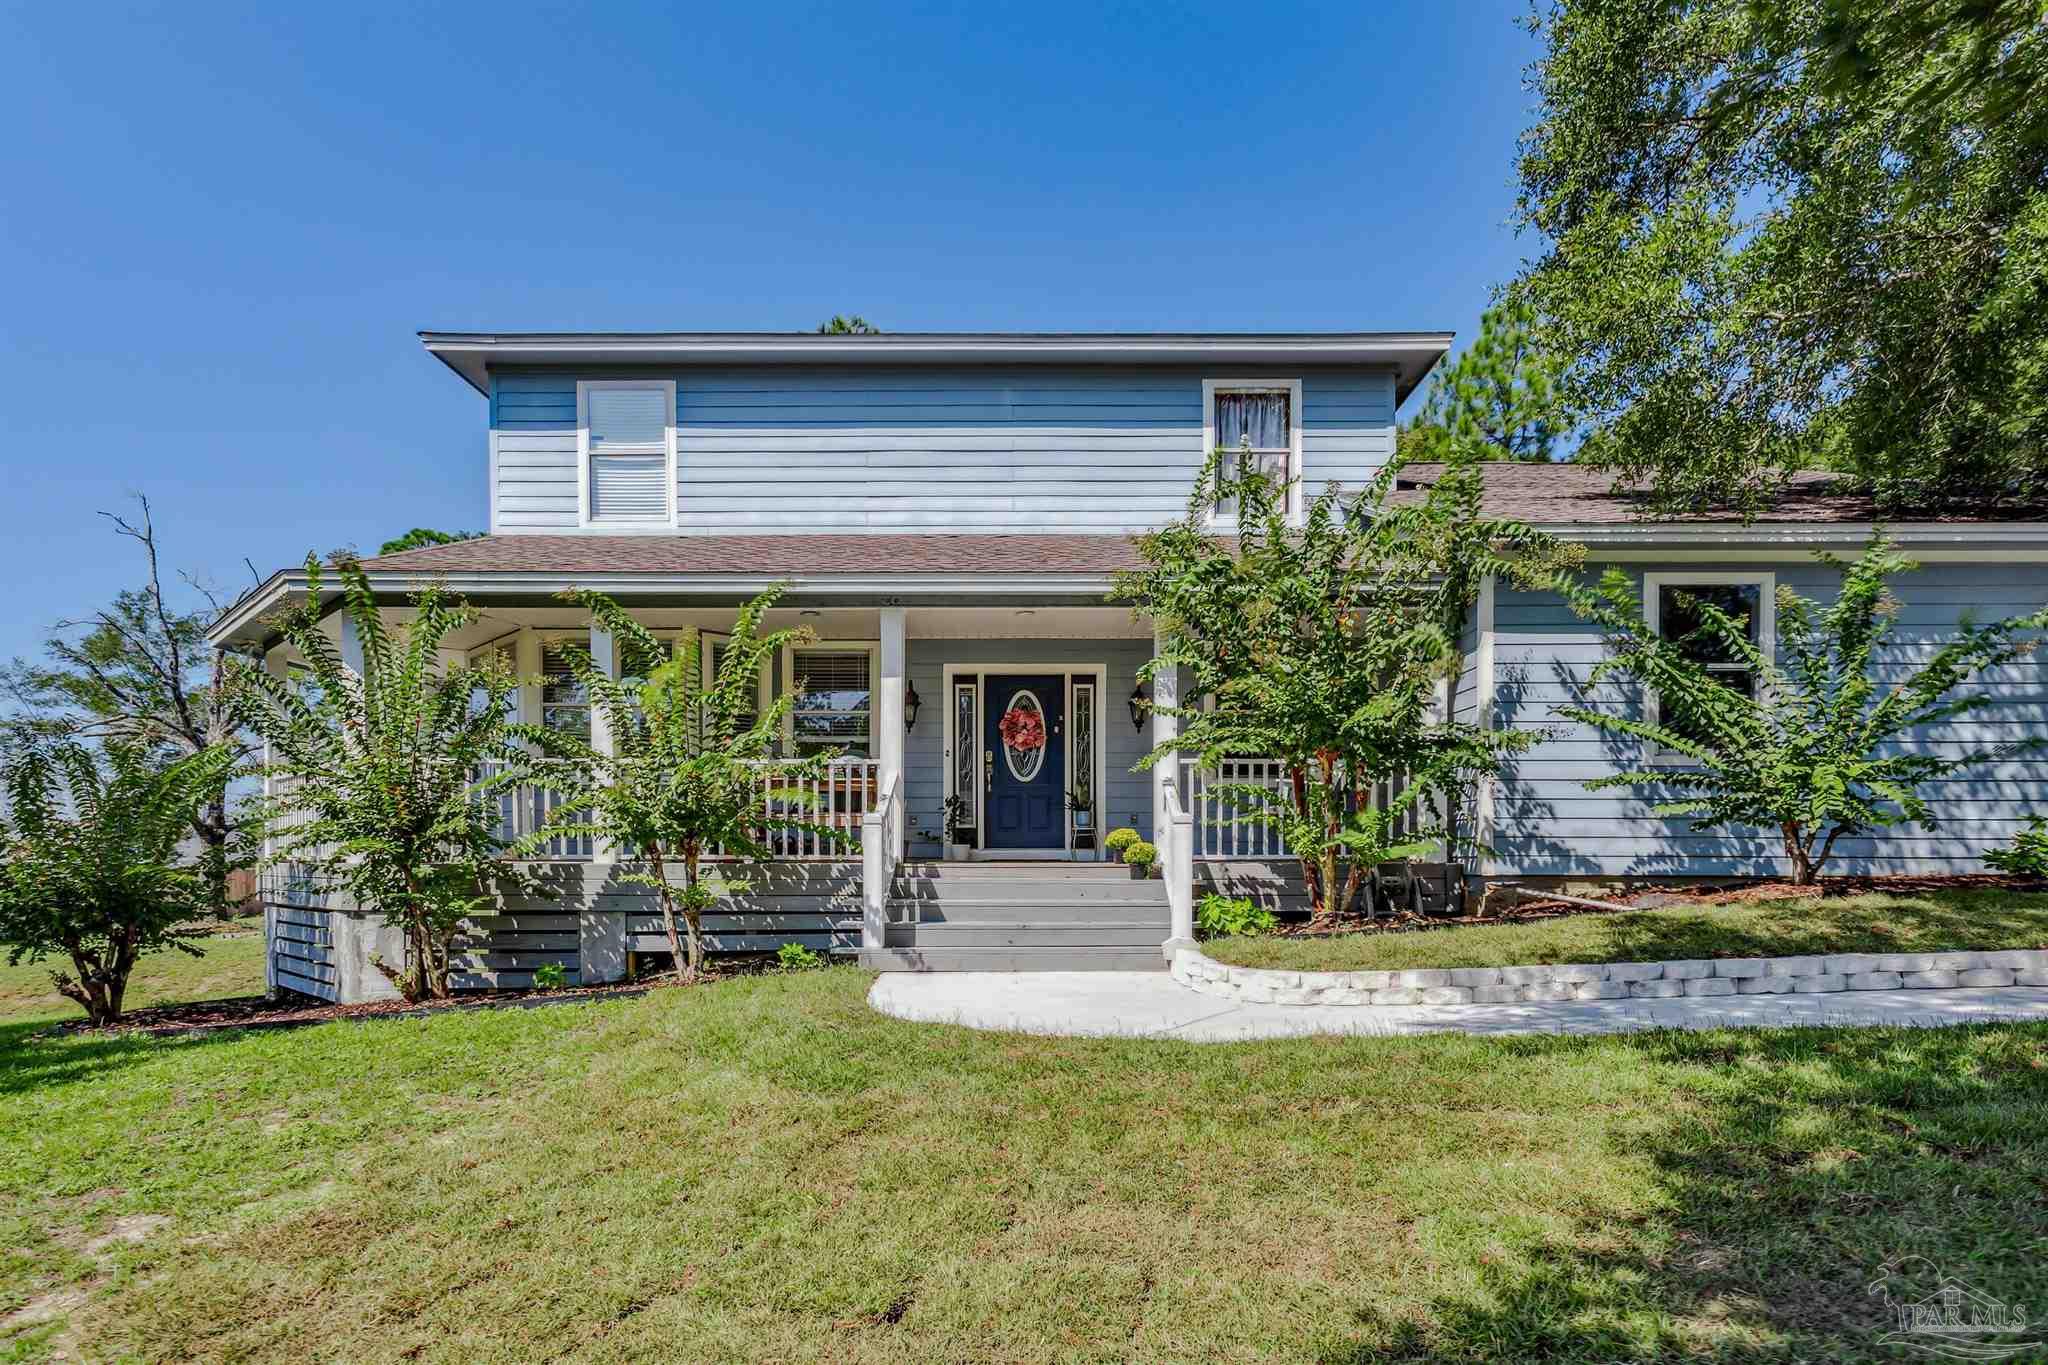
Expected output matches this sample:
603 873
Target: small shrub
550 976
1220 916
794 957
1119 840
1140 854
2028 856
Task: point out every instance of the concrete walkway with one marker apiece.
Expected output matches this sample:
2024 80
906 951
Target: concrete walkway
1153 1005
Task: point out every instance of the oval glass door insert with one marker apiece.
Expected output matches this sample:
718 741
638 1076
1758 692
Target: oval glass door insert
1024 736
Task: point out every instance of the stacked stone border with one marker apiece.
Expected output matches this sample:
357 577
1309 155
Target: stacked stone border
1612 980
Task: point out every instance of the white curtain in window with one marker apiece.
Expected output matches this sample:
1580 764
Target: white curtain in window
628 454
1261 416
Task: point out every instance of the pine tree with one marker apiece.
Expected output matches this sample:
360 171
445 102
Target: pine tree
1497 401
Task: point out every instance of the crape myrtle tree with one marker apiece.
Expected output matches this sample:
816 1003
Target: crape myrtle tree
385 778
139 672
683 778
89 865
1324 645
1812 234
1806 744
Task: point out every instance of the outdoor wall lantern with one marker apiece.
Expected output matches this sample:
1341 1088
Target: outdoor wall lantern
1138 703
911 701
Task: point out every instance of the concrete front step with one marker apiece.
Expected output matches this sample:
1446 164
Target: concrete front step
997 871
1003 912
1024 934
1033 892
993 959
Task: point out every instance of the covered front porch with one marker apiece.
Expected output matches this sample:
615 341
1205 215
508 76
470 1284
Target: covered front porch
915 696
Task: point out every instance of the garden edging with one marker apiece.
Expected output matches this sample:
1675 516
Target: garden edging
1612 980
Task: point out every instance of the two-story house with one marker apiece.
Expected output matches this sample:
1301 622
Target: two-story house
947 511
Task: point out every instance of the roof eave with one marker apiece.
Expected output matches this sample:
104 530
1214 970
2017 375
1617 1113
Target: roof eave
1411 355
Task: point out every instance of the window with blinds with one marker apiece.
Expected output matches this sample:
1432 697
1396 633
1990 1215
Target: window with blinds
564 705
835 700
627 431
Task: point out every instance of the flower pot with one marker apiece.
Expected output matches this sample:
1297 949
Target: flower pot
957 853
1142 871
1081 819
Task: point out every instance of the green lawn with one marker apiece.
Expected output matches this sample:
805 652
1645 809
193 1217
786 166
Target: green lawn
233 965
1852 924
765 1169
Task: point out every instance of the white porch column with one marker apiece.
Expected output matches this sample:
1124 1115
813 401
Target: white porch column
889 737
526 663
1165 692
604 656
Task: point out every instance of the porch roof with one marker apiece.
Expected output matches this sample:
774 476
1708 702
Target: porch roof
682 570
1094 556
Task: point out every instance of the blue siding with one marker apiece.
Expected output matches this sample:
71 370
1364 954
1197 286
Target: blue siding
1547 824
1127 794
963 449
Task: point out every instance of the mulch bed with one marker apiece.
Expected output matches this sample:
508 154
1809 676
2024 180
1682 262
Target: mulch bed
289 1011
1658 898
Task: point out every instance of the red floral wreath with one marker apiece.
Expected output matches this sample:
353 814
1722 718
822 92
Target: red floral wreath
1022 729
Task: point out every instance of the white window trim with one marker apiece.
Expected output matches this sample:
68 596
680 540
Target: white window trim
1766 584
874 651
584 388
1211 389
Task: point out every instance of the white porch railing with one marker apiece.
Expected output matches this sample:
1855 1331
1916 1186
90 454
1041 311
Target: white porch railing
881 837
840 798
1226 824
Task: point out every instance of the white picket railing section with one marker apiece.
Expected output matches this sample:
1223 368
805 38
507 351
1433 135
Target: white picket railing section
838 799
1222 829
881 837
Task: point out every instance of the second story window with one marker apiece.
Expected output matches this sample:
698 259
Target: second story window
627 431
1258 422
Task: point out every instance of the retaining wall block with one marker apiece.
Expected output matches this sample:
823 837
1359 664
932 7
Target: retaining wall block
1739 968
2019 959
1985 976
1635 971
1367 981
1600 990
1928 980
1547 992
1475 977
1764 985
1872 981
1852 964
1688 970
1423 978
1710 985
1578 973
1794 966
1656 990
1524 976
2037 977
1397 995
1906 962
1496 995
1447 995
1820 984
1956 962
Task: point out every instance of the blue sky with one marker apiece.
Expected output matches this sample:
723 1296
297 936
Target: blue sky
223 229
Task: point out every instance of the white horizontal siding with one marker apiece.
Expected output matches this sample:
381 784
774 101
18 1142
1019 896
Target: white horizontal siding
975 449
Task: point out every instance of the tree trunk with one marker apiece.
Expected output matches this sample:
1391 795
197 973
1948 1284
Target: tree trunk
693 915
1797 852
212 829
668 909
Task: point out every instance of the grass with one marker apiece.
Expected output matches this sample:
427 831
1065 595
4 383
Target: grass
1884 923
765 1169
232 965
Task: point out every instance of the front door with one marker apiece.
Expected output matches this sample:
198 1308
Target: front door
1025 768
